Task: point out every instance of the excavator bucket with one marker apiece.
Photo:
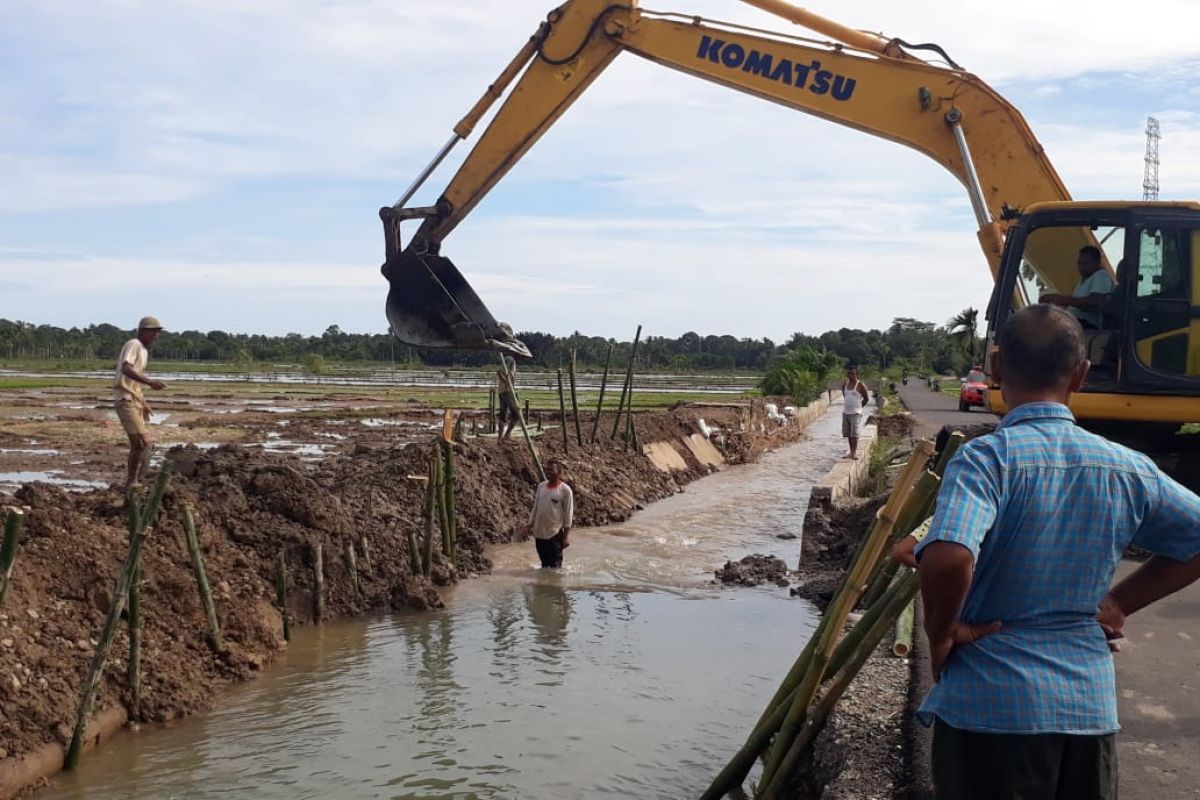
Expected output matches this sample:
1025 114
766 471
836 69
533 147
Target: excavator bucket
430 304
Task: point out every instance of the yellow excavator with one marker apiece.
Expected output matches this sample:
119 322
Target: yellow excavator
1145 343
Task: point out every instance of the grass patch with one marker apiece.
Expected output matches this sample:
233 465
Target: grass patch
882 453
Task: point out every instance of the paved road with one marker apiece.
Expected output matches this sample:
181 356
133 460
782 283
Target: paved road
1158 672
933 409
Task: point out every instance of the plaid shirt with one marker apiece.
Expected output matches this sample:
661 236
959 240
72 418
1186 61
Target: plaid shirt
1046 509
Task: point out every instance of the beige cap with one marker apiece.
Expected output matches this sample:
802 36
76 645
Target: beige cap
149 324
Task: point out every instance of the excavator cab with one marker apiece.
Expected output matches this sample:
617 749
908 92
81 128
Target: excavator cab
1143 332
431 304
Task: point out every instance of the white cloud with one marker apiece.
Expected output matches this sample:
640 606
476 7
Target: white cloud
720 212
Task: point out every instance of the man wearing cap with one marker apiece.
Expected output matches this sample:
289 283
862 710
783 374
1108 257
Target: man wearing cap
132 408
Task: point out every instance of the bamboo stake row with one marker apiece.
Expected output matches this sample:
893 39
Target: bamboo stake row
141 524
13 525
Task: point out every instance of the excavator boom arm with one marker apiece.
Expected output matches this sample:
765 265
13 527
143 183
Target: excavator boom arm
945 113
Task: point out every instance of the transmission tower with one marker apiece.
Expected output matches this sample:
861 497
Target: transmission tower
1150 177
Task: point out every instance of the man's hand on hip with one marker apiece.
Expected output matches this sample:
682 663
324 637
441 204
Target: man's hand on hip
960 633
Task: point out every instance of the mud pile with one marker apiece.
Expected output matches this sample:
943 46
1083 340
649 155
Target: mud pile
250 506
754 570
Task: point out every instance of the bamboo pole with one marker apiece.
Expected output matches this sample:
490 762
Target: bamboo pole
142 525
575 402
537 462
451 503
628 388
351 564
365 543
134 669
492 411
201 575
443 510
318 582
903 593
902 646
414 550
603 385
13 525
848 597
430 517
916 512
953 442
562 415
281 594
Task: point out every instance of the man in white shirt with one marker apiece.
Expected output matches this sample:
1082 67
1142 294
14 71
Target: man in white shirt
132 409
551 516
854 397
1095 285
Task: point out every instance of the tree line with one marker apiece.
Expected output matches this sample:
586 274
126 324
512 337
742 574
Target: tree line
907 344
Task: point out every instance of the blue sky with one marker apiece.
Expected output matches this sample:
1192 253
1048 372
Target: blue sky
220 164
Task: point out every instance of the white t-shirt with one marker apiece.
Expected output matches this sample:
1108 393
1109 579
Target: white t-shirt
1098 282
135 353
553 510
852 400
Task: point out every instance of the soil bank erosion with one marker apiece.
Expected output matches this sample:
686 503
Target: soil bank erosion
250 506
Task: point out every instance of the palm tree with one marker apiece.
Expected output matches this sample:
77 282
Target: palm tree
964 327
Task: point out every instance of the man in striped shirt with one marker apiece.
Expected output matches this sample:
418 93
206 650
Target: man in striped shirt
1015 573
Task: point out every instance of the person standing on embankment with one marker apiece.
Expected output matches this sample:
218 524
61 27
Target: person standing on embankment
551 516
854 397
131 406
1031 522
506 382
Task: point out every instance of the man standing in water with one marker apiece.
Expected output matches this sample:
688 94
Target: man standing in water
854 397
551 516
131 407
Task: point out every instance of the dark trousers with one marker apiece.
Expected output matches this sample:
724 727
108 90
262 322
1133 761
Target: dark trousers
1001 766
550 551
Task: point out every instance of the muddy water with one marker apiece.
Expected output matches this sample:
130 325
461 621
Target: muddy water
625 675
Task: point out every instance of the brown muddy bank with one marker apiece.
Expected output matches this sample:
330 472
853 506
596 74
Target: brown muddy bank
250 505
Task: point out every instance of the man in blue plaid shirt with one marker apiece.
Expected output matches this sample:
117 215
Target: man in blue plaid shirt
1015 577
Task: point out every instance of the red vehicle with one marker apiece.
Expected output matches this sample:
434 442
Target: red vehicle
973 391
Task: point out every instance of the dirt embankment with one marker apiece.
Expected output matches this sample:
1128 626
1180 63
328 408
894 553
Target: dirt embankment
251 505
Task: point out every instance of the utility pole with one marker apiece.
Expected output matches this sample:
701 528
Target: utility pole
1150 176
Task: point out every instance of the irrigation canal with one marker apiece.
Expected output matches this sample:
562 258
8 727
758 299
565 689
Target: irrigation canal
627 675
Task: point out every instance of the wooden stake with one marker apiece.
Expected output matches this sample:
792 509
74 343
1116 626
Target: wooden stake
492 410
134 669
351 564
142 525
562 415
575 402
281 594
13 525
318 582
603 385
202 587
414 551
451 503
537 462
365 543
430 516
443 509
628 390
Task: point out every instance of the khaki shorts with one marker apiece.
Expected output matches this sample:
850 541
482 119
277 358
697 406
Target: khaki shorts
851 425
129 411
